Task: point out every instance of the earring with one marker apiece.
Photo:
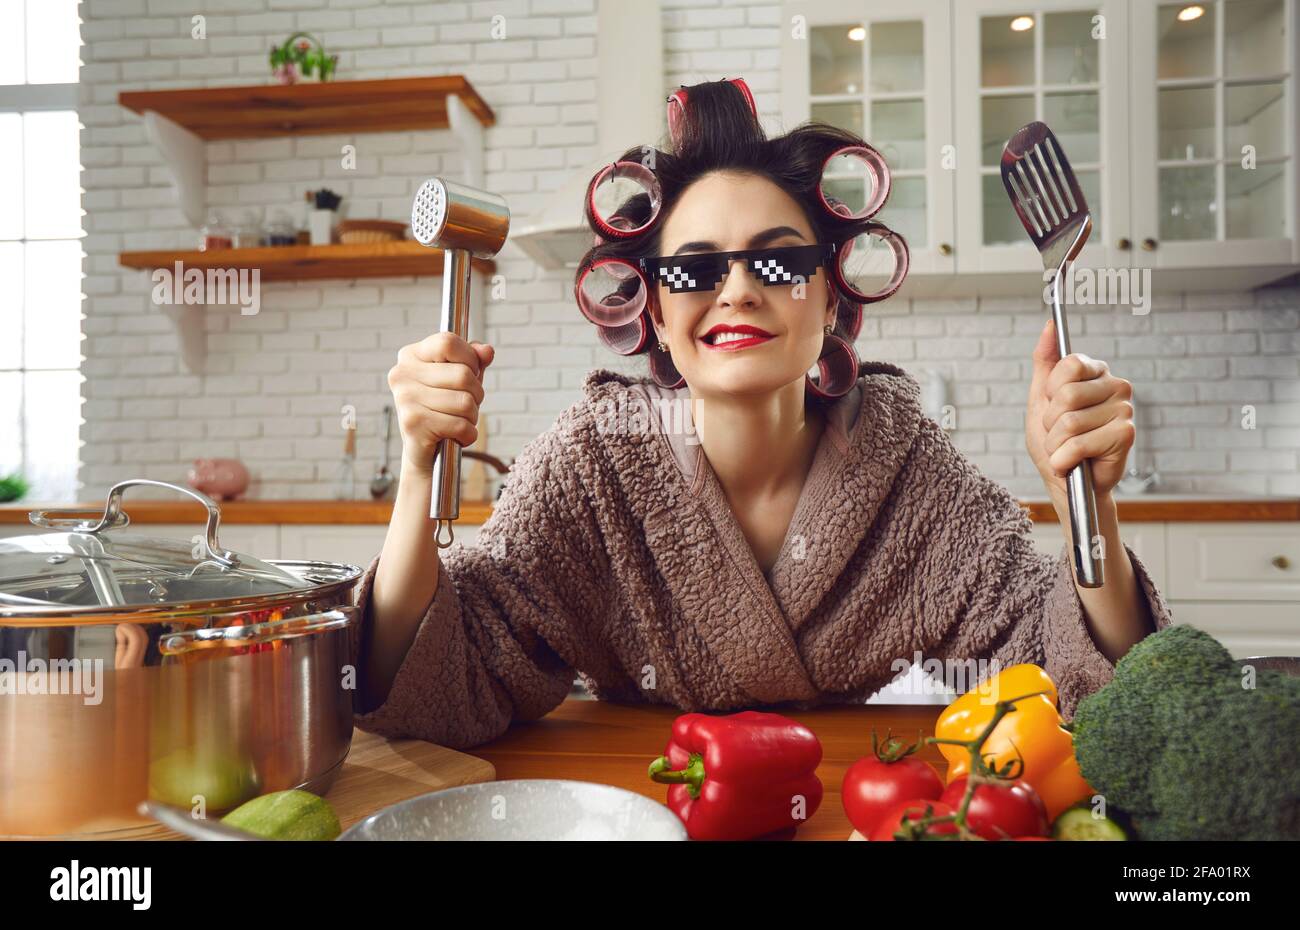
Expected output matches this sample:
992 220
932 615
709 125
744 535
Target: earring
662 369
827 329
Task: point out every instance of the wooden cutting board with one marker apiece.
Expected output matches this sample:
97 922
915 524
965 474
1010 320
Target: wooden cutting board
376 773
379 772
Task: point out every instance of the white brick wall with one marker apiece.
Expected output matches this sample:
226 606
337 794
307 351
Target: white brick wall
275 382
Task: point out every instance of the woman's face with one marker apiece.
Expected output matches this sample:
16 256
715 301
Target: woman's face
727 211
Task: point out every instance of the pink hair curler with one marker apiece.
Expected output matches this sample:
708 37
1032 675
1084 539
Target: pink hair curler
663 370
872 265
677 108
837 369
855 182
613 186
627 339
612 292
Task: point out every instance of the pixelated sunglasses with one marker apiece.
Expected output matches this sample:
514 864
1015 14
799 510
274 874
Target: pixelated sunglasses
773 267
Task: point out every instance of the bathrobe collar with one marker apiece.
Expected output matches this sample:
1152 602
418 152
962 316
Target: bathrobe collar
868 435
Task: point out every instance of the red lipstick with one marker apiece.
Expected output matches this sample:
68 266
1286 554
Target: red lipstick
725 338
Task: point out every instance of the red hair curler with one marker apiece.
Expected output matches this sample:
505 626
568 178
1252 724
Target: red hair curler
611 292
837 369
847 170
677 107
663 370
612 186
627 339
872 265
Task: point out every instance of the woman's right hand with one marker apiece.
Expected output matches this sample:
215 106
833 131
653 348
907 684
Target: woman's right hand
437 387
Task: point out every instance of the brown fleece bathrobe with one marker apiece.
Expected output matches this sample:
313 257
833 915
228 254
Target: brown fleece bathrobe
613 552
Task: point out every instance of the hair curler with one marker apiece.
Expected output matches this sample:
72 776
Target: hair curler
465 223
677 107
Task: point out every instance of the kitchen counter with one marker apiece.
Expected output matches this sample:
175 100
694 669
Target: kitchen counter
1186 508
614 744
611 744
247 511
1154 508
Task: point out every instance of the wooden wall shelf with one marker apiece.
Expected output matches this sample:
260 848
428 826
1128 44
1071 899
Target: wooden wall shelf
264 110
309 262
181 122
291 263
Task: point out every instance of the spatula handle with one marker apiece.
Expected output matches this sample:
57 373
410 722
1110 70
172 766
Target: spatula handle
1083 526
1078 483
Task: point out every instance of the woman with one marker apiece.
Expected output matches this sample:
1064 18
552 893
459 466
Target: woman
804 535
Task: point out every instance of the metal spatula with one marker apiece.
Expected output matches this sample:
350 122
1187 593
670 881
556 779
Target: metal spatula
1047 198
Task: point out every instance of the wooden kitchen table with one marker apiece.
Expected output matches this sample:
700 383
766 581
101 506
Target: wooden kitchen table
614 744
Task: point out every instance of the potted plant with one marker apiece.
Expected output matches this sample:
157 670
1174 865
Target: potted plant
301 57
13 488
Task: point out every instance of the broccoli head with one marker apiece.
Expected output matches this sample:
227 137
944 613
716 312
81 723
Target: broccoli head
1180 742
1120 733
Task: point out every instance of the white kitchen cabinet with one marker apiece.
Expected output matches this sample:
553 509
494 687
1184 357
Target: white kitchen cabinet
1239 582
1147 540
890 82
1012 66
1155 111
354 544
1236 562
1254 629
262 542
1208 94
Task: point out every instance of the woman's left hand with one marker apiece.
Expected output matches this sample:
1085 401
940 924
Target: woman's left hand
1077 410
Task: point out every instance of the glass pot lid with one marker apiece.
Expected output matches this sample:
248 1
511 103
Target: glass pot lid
89 564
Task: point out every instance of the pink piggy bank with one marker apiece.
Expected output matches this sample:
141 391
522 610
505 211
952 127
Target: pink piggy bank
220 479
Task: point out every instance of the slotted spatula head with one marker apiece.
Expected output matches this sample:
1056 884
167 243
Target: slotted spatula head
1045 193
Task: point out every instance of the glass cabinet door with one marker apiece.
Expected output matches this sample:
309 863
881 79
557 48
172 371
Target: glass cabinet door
1058 62
884 74
1214 132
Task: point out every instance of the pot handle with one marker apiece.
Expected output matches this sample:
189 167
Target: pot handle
113 517
251 634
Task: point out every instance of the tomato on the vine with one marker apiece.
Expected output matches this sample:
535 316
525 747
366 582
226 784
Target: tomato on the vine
878 783
913 810
1000 811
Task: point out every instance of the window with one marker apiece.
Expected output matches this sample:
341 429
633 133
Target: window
40 251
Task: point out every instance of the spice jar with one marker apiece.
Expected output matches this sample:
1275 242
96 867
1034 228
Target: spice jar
215 234
247 232
281 230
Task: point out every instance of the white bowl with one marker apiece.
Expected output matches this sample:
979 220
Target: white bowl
523 809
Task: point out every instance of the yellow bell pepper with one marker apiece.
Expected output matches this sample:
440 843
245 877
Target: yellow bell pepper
1033 734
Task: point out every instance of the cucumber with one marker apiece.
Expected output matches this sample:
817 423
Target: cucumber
286 815
1079 823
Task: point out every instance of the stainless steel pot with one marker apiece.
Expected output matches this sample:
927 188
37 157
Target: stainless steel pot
177 670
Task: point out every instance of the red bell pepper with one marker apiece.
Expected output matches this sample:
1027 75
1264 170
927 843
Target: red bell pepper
740 776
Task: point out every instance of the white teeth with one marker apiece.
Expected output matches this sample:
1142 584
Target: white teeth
720 338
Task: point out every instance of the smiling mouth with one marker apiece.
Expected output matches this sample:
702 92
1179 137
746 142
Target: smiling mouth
731 341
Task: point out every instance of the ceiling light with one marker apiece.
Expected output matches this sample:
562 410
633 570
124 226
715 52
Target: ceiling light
857 33
1189 13
1022 24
